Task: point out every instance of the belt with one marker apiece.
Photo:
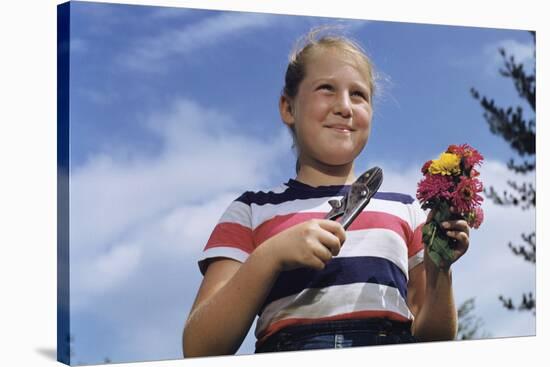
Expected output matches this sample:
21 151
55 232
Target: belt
371 325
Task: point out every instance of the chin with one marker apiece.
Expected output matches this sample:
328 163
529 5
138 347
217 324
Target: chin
342 159
338 161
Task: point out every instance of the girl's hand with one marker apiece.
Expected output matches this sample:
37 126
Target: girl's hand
309 244
459 233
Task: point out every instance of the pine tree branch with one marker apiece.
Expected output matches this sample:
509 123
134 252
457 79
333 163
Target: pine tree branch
469 325
519 133
528 303
529 253
525 195
525 84
509 124
524 167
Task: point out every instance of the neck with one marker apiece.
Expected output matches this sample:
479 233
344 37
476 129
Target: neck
323 175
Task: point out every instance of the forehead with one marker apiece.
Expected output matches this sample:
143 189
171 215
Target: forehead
325 60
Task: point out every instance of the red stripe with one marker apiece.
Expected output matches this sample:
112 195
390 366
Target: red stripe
381 220
416 244
276 326
365 220
279 223
231 235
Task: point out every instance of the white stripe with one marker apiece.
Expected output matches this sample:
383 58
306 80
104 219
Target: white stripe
238 213
229 252
332 301
378 242
416 259
392 207
417 214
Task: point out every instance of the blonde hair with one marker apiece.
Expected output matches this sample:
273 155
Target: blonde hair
323 38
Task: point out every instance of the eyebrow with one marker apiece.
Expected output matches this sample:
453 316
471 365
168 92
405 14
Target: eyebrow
331 79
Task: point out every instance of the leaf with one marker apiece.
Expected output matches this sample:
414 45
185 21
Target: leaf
442 213
436 239
427 231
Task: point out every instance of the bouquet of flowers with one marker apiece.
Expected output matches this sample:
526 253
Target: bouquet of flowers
450 187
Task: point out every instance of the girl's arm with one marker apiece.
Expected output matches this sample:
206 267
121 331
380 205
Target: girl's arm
232 293
430 296
226 304
431 301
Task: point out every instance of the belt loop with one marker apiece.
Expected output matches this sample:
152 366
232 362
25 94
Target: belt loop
338 341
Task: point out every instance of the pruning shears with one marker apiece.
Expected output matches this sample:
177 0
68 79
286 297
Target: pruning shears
357 198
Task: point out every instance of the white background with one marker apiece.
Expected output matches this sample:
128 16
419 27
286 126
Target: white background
28 183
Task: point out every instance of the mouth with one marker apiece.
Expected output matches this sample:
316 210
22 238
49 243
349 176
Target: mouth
341 128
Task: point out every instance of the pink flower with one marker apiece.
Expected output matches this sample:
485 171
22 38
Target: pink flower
465 198
475 217
434 186
474 173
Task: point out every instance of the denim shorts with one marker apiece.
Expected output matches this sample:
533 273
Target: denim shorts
338 334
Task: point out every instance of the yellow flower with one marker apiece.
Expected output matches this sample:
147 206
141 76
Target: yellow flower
446 164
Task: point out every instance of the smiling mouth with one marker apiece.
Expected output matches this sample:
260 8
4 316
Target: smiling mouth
341 129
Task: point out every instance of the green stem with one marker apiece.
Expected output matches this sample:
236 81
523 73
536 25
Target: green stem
433 234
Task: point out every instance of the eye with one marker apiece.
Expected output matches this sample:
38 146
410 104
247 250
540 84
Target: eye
359 94
326 86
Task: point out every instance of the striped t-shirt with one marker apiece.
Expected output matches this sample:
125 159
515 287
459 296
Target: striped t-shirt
367 279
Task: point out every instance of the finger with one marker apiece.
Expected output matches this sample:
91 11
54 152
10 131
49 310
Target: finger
459 223
322 253
456 225
330 241
463 240
335 228
317 263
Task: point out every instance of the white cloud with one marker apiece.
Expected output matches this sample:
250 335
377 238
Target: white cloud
103 273
164 205
150 54
139 223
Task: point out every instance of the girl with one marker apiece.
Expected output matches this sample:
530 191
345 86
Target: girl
313 284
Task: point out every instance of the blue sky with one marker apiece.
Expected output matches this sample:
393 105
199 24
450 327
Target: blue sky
174 114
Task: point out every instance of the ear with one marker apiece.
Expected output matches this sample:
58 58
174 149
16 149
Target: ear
285 109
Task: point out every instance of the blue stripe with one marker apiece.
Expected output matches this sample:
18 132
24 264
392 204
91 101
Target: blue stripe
263 198
339 271
302 193
394 196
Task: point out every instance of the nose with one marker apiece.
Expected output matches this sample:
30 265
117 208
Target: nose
342 105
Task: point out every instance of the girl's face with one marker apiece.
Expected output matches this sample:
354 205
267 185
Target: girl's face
331 113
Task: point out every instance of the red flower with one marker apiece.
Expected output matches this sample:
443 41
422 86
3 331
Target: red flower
465 198
434 186
470 156
426 166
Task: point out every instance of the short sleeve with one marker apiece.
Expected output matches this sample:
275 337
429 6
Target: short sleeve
415 245
232 236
